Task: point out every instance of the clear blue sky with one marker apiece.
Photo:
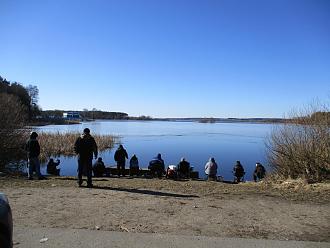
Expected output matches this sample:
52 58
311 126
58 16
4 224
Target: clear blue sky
169 58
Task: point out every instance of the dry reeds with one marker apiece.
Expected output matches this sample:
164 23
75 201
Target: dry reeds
57 144
300 148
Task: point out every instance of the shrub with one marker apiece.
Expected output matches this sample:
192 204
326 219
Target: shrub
300 148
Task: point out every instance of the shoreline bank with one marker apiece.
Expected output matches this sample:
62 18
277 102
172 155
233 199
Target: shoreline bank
291 210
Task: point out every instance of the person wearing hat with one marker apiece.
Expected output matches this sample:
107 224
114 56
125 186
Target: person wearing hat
120 157
157 166
259 172
238 171
134 168
184 168
85 146
32 148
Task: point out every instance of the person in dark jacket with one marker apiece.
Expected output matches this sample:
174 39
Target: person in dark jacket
184 168
238 171
85 146
51 167
32 148
259 172
157 166
99 168
120 157
134 168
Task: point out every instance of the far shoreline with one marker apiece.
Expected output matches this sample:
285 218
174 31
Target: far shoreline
192 120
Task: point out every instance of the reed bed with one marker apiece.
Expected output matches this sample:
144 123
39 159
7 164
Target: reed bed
61 144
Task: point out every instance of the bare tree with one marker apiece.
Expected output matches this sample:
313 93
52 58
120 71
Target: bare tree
33 92
12 132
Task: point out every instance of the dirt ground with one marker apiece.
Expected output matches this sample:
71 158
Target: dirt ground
290 210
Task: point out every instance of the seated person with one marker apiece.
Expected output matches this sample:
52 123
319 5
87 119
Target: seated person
134 166
51 167
238 172
157 166
171 172
211 169
184 168
259 172
98 168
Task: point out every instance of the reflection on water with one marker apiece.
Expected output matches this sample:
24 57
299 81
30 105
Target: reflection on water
226 142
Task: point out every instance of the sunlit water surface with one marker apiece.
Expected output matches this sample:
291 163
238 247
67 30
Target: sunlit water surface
197 142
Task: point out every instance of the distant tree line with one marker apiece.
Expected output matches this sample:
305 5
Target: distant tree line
142 118
207 120
103 115
85 114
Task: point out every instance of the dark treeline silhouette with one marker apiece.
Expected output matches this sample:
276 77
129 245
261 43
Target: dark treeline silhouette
98 114
141 118
18 107
27 96
85 114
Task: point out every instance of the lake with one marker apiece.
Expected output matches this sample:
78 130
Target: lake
197 142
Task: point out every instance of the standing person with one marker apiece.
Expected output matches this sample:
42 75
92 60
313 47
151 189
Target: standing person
238 171
211 169
120 157
33 151
259 172
85 146
134 166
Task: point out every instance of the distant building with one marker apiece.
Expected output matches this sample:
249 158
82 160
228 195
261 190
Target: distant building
71 115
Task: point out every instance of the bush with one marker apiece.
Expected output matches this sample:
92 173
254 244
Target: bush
300 148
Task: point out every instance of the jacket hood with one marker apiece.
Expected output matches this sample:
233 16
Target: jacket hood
212 160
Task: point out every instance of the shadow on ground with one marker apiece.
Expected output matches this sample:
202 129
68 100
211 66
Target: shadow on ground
146 192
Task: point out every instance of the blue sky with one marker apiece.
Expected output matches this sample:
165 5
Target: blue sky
169 58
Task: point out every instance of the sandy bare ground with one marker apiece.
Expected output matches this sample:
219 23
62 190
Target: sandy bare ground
287 211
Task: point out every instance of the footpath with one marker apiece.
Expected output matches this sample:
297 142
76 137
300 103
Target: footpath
76 238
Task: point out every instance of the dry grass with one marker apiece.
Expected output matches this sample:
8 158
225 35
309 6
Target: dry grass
57 144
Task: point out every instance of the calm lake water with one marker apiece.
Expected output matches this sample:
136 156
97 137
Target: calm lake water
197 142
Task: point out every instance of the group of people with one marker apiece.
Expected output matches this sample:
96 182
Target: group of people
85 147
211 169
156 165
